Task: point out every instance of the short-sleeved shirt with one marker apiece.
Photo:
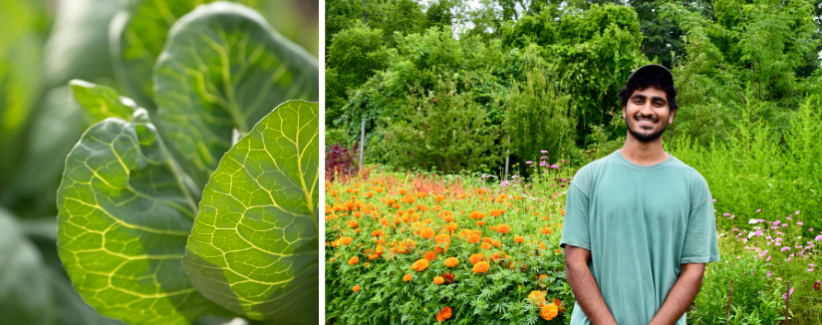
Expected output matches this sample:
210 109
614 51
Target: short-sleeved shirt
640 224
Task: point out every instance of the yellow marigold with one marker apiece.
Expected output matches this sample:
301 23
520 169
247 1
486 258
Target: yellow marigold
442 238
438 280
476 258
430 255
503 229
444 314
356 288
481 267
353 260
519 239
452 262
420 265
345 241
548 311
407 277
536 298
485 246
427 233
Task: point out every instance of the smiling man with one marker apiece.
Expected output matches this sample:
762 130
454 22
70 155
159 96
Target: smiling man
639 223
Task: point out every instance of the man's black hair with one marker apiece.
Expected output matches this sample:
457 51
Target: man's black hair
656 78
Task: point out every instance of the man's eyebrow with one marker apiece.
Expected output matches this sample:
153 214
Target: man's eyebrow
659 98
639 96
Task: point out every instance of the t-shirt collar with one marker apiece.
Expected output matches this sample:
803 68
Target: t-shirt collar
621 158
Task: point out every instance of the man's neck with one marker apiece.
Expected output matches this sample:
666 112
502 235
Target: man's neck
643 153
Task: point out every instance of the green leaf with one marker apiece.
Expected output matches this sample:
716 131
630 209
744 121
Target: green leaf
125 211
25 295
101 102
224 67
254 245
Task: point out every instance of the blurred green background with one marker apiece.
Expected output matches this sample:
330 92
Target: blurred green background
43 45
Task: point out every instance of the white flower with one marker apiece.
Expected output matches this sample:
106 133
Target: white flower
752 221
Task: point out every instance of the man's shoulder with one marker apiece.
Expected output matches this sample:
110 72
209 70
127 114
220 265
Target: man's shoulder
587 175
689 173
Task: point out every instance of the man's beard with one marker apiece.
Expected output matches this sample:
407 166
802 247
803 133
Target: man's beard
647 137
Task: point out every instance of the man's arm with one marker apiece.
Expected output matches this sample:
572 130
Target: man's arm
681 295
585 288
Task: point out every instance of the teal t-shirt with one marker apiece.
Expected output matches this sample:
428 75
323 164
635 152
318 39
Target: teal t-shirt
640 223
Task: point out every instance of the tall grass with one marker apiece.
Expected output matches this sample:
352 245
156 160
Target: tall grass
759 172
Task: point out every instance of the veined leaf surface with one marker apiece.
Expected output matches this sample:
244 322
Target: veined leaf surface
101 102
254 245
224 67
124 216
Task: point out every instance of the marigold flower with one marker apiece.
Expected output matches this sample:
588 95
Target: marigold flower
452 226
407 277
485 246
439 198
430 255
448 277
548 311
452 262
442 239
503 229
557 302
377 232
562 213
519 239
402 192
353 223
444 314
476 258
427 233
420 265
345 241
480 223
547 231
496 243
353 260
481 267
356 288
536 298
494 257
438 280
474 238
477 215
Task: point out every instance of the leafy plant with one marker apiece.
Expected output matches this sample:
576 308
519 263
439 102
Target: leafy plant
340 160
130 207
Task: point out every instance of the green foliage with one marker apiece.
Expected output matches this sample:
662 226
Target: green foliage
538 117
101 102
261 204
442 129
24 288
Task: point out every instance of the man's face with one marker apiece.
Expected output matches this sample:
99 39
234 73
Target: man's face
647 114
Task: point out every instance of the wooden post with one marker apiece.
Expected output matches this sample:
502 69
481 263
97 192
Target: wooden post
730 294
362 141
788 302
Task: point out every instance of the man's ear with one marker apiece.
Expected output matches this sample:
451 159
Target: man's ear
671 116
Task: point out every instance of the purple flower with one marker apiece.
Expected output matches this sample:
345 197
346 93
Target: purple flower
529 162
758 210
515 176
504 183
554 166
542 163
736 229
800 223
818 238
769 273
785 248
768 260
776 222
543 151
543 157
797 212
784 225
714 200
726 214
810 270
779 239
765 252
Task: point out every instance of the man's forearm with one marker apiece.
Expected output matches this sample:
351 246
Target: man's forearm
681 295
588 296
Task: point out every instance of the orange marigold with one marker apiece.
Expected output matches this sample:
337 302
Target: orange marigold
476 258
353 223
474 238
427 233
547 231
430 255
503 228
452 226
548 311
356 288
496 243
444 314
442 238
377 232
452 262
420 265
477 215
345 241
519 239
481 267
438 280
353 260
480 223
485 246
439 198
407 277
536 298
562 213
